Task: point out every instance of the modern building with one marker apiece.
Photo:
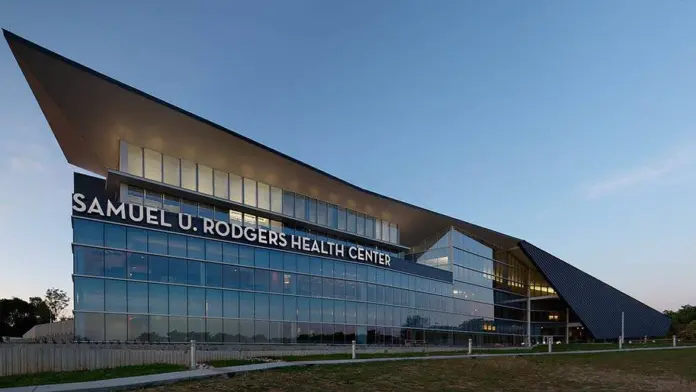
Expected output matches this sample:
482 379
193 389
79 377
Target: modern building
188 230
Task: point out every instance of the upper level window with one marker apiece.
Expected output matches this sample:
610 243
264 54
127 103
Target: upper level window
205 180
188 175
153 165
171 170
250 192
276 199
264 196
288 203
132 159
220 182
236 188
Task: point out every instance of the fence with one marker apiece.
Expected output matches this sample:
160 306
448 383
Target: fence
27 358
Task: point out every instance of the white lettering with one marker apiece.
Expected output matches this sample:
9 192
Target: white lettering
305 244
369 255
78 198
263 235
187 224
163 221
250 234
361 254
150 213
222 228
283 241
315 246
295 241
386 260
273 238
131 212
112 210
95 208
352 253
237 231
208 226
340 250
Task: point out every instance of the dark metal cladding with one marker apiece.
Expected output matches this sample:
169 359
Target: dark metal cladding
597 304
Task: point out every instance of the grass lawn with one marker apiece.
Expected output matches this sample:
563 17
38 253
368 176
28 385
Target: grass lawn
670 370
86 375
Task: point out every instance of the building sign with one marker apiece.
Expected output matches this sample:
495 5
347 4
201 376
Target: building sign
180 222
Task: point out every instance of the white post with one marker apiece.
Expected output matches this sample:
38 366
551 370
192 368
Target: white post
550 341
469 351
674 340
353 352
192 365
620 342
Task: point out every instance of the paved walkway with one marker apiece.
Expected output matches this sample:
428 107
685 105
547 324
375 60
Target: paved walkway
121 384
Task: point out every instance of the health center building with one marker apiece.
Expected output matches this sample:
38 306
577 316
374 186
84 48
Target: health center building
187 230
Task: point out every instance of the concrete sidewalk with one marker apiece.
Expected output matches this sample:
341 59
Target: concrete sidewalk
128 383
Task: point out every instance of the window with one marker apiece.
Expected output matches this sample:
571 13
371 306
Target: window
171 169
261 257
196 273
213 275
89 261
393 233
230 303
158 299
290 262
385 230
221 184
115 264
276 199
178 296
246 302
89 326
153 165
312 210
213 303
263 222
361 224
159 328
189 207
158 268
289 308
115 299
288 203
137 297
230 277
236 217
230 253
205 179
249 220
116 327
378 229
135 195
188 175
196 302
341 218
195 248
177 245
89 294
213 250
222 214
88 232
300 207
321 213
261 309
262 280
137 266
250 192
134 159
351 224
332 216
369 227
157 242
276 226
264 196
115 236
235 188
153 199
172 204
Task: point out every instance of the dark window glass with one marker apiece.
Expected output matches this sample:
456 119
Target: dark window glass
137 297
195 248
303 264
290 262
213 275
172 204
327 310
222 214
288 203
178 271
276 282
361 224
246 305
321 213
157 242
196 329
153 199
316 286
289 283
261 332
88 232
115 236
246 278
230 253
261 306
196 301
276 260
159 328
351 290
230 277
351 312
303 309
89 261
370 227
315 266
315 310
213 303
116 327
213 330
230 331
137 239
341 218
261 280
205 211
246 255
178 329
196 273
371 274
289 308
230 303
159 299
362 313
339 312
115 264
361 291
362 272
339 288
89 326
339 269
137 266
261 257
300 207
303 285
328 289
351 271
351 223
312 210
332 218
115 299
177 245
159 268
371 293
213 250
327 267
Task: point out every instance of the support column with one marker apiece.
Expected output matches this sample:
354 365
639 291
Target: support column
529 309
567 326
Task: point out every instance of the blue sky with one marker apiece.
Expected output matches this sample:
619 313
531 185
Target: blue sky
569 124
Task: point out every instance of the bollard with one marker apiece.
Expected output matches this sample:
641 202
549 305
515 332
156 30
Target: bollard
550 340
353 353
674 340
469 352
620 342
192 365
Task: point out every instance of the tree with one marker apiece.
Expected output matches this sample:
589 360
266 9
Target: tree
18 316
689 331
681 318
56 300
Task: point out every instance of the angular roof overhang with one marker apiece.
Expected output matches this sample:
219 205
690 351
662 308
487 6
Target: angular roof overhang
597 304
89 113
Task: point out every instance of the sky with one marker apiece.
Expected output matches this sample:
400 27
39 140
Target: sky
571 124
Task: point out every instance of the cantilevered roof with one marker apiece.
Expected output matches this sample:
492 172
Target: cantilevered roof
597 304
89 113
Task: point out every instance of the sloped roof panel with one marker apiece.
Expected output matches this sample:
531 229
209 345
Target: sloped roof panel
597 304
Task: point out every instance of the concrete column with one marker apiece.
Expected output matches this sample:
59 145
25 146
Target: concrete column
353 350
567 326
192 365
529 309
469 351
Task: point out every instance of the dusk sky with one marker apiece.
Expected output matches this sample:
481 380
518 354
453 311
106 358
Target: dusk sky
569 124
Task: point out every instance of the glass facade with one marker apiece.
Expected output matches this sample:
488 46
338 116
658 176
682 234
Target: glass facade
140 284
155 166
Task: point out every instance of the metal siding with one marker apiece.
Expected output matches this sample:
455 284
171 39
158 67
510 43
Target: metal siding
597 304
